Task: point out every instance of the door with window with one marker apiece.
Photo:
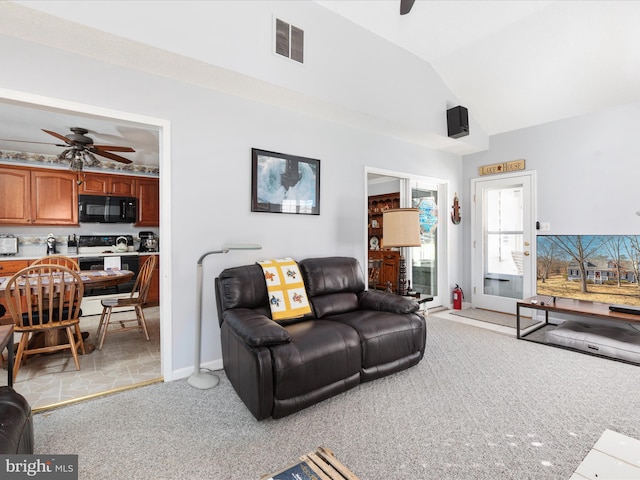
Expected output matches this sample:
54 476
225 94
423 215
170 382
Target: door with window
425 267
503 242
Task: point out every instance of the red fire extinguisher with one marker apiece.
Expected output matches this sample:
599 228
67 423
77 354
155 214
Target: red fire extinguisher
458 296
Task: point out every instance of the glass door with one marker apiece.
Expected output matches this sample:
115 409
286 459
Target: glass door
502 243
425 267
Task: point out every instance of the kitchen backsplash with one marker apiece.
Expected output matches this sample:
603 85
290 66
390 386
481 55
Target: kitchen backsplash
31 245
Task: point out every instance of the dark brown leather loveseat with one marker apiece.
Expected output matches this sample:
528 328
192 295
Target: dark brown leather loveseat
16 423
352 336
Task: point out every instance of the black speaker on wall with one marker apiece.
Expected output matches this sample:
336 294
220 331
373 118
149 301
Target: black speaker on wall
458 122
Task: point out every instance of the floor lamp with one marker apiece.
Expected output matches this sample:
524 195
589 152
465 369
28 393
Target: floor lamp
200 379
401 228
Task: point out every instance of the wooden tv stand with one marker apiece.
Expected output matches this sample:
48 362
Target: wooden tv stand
582 308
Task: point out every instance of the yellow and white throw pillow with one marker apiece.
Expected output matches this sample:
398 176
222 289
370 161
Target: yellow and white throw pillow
287 295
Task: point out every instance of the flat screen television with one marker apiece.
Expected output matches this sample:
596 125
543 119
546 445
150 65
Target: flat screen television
600 268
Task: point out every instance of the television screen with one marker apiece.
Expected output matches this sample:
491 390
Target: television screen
601 268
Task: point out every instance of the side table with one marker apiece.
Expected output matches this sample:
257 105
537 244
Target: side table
421 299
6 340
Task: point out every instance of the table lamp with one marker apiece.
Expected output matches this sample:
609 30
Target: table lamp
401 228
199 379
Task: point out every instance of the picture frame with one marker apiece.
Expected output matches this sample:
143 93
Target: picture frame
282 183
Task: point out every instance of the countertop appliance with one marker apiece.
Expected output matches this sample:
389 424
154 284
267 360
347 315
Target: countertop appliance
8 245
148 242
106 209
51 244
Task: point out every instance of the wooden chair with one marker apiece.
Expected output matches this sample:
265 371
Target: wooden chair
58 260
42 300
137 299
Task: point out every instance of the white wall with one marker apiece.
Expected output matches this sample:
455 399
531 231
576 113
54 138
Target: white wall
587 173
212 134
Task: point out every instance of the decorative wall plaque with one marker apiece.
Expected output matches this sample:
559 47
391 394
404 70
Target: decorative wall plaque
504 167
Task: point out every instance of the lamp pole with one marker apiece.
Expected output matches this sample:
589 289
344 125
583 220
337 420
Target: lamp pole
199 379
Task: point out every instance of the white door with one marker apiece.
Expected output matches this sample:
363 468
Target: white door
503 241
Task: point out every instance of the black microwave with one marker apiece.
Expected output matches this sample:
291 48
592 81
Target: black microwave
103 209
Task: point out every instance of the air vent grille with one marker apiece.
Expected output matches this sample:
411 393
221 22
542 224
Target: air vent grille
289 41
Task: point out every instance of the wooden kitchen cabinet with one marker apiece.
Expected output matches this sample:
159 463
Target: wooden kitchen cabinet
102 184
148 196
15 196
153 297
54 198
37 196
7 269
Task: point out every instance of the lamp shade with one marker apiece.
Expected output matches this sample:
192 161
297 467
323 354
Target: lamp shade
401 227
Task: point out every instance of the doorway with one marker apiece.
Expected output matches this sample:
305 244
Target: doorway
503 241
37 103
426 266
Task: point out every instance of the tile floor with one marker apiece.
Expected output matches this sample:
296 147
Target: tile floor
126 359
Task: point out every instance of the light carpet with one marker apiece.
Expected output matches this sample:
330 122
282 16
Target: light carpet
497 318
480 405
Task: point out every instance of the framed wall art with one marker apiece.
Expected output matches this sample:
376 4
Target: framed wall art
282 183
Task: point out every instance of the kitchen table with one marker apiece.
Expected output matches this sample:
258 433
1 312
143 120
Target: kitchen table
90 278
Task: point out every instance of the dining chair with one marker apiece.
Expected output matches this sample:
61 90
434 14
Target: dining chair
58 260
43 300
136 299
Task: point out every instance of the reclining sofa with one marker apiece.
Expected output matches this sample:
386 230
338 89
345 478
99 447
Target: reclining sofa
16 423
351 336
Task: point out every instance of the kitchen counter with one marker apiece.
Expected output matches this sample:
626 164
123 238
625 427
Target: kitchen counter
34 254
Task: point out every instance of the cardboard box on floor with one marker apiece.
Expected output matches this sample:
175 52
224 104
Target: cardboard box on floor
319 465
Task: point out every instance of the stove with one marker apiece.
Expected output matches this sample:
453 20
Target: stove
92 250
99 245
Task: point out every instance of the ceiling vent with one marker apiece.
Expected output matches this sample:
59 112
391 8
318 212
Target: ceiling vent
289 41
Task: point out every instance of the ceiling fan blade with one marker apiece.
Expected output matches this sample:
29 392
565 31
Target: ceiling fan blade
405 6
111 156
58 136
29 141
113 148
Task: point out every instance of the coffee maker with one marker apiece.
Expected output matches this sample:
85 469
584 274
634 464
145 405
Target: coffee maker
51 244
148 242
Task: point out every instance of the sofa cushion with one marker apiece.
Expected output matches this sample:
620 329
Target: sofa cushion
243 287
335 303
320 353
255 329
323 276
386 337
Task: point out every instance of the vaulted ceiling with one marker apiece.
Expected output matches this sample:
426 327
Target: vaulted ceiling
513 64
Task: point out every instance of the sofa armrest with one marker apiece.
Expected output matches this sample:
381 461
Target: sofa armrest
386 302
255 329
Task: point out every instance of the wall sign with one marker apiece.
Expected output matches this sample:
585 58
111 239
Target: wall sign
502 167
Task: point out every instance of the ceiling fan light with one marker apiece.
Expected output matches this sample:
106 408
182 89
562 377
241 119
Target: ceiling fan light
76 163
92 160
